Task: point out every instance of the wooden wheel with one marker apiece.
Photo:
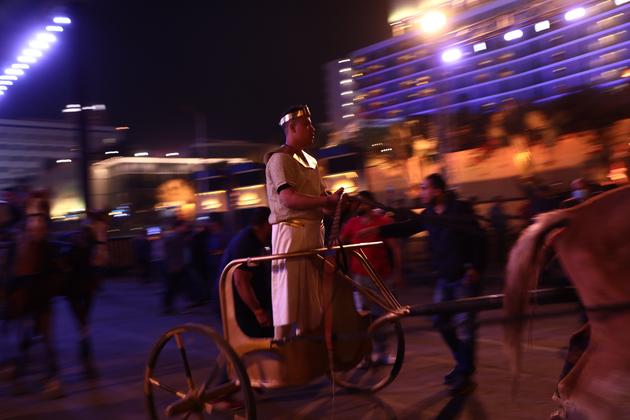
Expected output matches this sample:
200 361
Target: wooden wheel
382 361
192 372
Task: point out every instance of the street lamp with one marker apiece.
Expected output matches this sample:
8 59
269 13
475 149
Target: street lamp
432 22
25 59
14 72
31 52
46 37
62 20
451 55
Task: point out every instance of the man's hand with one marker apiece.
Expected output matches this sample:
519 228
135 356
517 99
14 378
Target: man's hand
333 199
262 317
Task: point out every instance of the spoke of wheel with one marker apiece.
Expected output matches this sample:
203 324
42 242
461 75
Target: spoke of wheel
220 392
182 351
211 377
167 388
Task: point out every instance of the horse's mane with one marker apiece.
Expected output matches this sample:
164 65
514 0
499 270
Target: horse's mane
522 276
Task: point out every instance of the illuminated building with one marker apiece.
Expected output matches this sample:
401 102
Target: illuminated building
487 52
28 148
148 183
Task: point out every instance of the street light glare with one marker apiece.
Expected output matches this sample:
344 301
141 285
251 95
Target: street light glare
54 28
40 45
7 77
512 35
62 20
432 22
6 82
20 66
25 59
2 87
46 37
574 14
172 154
140 154
14 72
542 26
31 52
451 55
480 46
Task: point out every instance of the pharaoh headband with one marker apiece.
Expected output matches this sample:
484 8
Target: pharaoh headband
301 111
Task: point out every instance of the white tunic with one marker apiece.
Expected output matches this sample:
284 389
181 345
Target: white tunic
296 283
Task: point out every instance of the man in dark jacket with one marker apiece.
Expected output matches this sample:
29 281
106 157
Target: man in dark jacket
457 246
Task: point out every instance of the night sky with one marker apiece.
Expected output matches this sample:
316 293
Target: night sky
154 64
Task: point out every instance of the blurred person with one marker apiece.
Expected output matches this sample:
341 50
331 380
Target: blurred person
31 285
15 210
297 199
218 238
458 251
178 278
385 259
142 253
158 255
540 197
200 260
95 242
252 281
580 192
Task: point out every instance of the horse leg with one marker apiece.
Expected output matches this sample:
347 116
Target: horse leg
52 386
21 360
81 306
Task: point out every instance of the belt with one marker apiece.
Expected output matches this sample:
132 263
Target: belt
299 223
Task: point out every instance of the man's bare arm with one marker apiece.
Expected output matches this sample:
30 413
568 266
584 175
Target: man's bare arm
243 283
298 201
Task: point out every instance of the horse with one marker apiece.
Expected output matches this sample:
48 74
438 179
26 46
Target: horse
592 243
42 269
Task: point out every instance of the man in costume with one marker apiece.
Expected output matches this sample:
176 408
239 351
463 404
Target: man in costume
297 200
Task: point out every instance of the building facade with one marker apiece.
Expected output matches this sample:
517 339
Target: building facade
29 148
445 56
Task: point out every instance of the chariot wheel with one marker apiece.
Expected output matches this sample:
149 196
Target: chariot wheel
380 361
192 372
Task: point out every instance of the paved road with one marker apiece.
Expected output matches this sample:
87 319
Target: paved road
127 322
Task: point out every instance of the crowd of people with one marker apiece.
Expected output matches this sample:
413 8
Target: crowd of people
185 257
285 298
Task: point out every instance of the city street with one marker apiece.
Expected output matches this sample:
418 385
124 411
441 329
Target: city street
127 322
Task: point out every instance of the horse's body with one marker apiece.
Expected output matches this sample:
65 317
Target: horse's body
592 242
